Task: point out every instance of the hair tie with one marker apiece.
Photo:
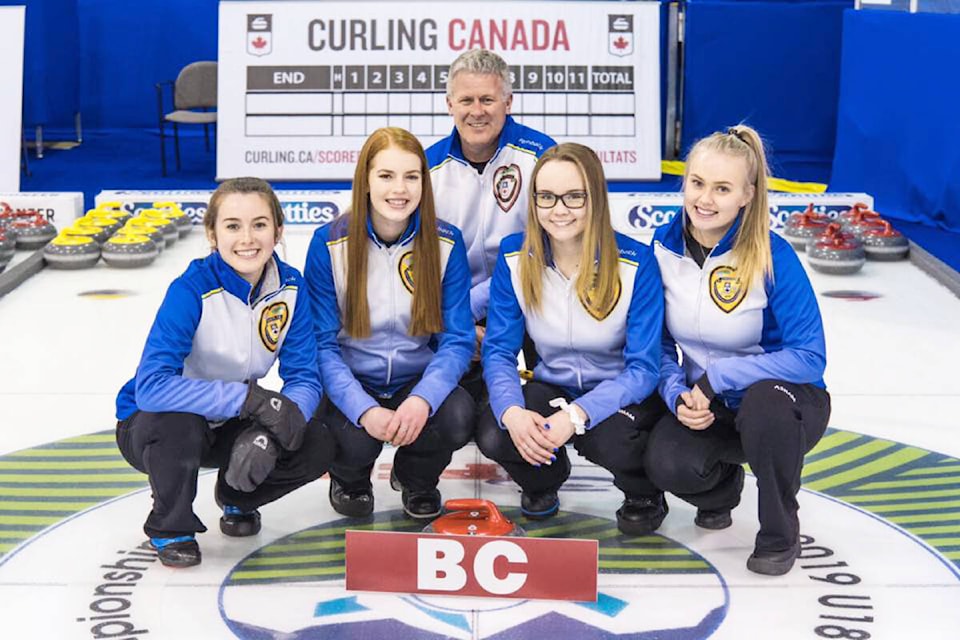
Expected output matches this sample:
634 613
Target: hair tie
732 131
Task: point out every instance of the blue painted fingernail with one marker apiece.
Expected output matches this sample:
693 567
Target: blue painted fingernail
555 450
553 458
537 464
546 425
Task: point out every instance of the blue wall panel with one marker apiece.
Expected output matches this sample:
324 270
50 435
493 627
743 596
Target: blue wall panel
898 134
773 65
127 46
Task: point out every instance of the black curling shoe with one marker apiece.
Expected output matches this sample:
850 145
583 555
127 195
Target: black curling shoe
239 524
179 552
713 520
421 505
773 563
353 503
640 516
539 506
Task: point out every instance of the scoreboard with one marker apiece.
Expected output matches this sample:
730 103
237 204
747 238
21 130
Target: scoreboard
301 84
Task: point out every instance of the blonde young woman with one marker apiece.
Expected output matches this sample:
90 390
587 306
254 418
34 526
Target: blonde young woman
741 310
592 303
390 289
194 400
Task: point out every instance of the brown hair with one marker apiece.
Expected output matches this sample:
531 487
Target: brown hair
425 309
242 186
751 246
597 284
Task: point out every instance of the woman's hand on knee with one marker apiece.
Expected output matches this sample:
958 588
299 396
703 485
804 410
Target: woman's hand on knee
526 429
695 419
559 428
376 422
408 421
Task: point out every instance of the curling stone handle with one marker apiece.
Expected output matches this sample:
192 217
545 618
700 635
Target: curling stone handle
472 504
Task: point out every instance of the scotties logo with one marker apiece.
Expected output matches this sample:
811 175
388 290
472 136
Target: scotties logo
726 289
272 322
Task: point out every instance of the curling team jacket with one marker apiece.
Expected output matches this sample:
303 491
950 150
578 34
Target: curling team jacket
606 359
214 332
390 357
485 207
731 335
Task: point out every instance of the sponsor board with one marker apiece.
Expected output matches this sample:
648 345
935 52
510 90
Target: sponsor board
59 208
633 214
299 207
639 214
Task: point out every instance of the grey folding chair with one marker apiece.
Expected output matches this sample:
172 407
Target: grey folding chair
194 95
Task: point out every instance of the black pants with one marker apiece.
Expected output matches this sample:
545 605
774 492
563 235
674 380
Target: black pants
473 382
419 464
777 423
171 447
616 444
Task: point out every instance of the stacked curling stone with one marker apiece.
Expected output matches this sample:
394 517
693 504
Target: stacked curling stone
32 229
803 227
68 251
155 219
8 245
851 213
114 209
142 227
880 240
136 244
835 252
172 211
885 244
129 251
8 236
79 245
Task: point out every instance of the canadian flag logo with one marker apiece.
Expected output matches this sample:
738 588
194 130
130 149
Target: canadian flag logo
259 34
620 35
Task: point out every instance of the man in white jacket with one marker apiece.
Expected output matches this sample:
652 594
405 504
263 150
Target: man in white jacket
481 171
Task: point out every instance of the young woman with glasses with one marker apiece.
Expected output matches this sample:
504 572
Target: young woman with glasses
592 302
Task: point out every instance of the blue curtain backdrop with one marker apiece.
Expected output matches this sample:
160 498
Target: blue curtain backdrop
126 47
51 87
773 65
898 130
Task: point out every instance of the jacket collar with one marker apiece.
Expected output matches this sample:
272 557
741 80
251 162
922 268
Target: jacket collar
413 227
233 283
672 238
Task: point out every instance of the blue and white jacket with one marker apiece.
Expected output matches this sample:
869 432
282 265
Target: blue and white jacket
605 359
733 334
485 207
390 357
214 332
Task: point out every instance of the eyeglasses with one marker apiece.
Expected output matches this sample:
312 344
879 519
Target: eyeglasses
571 199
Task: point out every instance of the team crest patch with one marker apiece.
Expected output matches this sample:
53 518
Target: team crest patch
406 270
272 322
726 289
506 185
595 312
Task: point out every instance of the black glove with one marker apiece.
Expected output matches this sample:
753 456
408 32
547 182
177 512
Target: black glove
277 413
253 457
